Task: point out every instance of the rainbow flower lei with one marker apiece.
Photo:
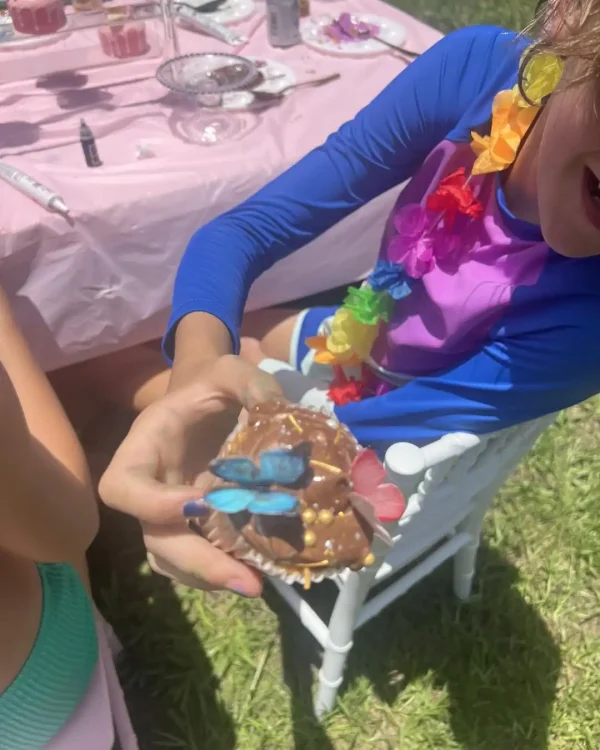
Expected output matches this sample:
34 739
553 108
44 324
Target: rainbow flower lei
425 236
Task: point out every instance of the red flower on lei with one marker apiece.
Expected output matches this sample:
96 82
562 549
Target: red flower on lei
454 196
345 390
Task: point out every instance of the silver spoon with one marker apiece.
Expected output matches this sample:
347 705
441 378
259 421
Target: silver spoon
268 96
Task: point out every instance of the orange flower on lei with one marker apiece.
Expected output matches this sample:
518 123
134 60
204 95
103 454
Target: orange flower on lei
511 119
512 115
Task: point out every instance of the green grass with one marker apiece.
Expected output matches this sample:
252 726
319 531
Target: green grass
446 15
516 669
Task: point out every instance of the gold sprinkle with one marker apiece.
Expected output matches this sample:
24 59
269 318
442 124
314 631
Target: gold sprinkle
309 516
326 517
294 422
241 433
321 564
338 434
323 465
369 559
307 578
310 538
341 514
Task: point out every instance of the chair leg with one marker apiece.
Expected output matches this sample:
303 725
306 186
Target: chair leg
339 642
465 559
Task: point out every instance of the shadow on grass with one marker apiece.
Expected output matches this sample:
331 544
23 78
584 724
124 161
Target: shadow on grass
494 656
299 661
161 645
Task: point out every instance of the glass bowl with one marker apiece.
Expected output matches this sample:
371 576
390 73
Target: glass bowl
204 78
206 74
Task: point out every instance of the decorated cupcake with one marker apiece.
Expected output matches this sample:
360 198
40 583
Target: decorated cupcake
295 496
37 17
124 41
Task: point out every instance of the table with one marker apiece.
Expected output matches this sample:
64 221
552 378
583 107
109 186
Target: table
104 281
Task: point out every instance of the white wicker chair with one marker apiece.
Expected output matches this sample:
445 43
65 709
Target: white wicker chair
448 485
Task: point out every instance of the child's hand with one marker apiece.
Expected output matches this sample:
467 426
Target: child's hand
160 470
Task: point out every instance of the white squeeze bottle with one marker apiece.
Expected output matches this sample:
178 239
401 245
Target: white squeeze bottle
283 22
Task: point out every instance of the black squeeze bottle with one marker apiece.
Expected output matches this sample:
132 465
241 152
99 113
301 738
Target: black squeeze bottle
88 144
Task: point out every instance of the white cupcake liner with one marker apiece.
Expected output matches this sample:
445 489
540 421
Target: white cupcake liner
243 552
275 570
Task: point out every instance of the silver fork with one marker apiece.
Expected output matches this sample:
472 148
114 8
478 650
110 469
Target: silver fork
268 96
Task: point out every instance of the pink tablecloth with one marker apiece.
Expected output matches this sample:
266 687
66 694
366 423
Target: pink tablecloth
104 281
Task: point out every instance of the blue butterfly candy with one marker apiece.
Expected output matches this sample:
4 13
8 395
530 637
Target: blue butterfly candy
279 466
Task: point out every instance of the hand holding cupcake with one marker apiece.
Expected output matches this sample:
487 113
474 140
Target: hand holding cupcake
295 496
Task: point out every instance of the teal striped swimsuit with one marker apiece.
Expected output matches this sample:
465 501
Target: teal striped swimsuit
58 670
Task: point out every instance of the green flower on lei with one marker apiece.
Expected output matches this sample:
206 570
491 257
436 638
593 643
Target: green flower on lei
368 306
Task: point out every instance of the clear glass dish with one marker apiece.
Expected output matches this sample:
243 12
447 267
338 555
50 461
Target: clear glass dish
203 79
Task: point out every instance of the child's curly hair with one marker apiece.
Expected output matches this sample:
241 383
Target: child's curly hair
569 29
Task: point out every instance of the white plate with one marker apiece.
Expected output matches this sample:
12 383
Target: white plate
313 35
277 76
233 11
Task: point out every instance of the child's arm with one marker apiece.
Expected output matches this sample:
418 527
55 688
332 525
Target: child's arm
379 149
48 511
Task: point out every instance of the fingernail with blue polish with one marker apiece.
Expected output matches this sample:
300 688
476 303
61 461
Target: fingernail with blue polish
239 588
195 508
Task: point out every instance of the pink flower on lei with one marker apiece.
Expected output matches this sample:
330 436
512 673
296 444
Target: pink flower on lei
419 244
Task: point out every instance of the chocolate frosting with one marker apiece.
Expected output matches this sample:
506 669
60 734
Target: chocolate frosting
328 533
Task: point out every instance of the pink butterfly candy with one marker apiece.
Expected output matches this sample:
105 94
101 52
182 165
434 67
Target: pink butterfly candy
367 475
